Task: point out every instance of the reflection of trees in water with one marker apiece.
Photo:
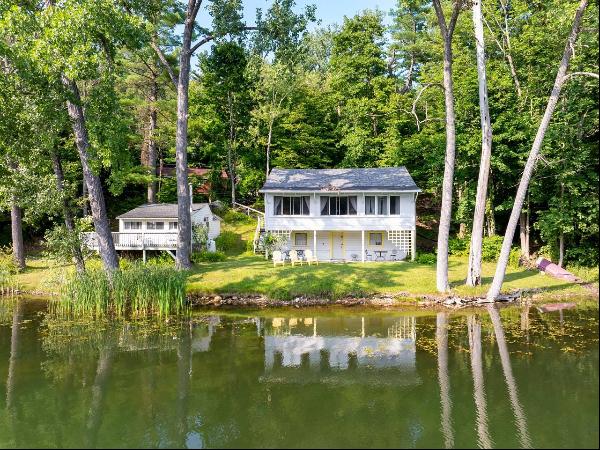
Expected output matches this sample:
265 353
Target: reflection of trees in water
511 384
441 335
474 330
11 378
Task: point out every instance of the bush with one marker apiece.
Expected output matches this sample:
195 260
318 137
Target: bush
8 268
227 241
232 216
459 247
582 256
491 247
514 260
426 258
205 256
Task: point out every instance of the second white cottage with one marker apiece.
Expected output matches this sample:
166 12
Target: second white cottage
344 214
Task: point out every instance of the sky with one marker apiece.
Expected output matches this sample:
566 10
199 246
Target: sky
328 11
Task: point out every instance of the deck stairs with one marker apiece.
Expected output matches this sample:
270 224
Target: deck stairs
259 232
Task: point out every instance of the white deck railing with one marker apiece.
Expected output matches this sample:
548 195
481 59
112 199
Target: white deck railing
135 241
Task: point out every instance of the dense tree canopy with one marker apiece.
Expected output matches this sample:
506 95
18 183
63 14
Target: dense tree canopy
284 92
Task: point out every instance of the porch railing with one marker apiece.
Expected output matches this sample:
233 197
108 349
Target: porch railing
134 241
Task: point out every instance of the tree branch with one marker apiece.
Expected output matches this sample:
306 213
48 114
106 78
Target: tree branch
586 74
165 63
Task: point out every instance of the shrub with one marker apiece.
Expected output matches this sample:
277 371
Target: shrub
232 216
8 268
205 256
490 250
426 258
227 241
582 256
514 260
459 247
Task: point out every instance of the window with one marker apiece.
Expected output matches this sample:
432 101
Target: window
395 205
376 239
301 239
338 205
172 225
292 206
370 205
382 205
129 225
155 225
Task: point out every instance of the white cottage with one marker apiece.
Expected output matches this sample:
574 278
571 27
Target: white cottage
154 227
344 214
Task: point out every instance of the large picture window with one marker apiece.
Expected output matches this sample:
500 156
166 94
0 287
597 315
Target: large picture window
132 225
155 225
382 205
339 205
376 239
292 206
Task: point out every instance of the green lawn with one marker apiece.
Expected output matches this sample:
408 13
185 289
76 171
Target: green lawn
248 274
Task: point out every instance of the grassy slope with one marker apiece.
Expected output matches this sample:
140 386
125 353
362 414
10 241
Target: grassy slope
242 273
248 274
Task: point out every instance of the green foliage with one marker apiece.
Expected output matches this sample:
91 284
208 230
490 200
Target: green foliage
60 242
8 268
490 249
200 235
233 217
426 258
137 290
206 256
458 246
227 241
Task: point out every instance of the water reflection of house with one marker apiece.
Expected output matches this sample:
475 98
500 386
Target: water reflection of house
352 350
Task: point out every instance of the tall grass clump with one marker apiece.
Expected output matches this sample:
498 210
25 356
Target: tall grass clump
136 290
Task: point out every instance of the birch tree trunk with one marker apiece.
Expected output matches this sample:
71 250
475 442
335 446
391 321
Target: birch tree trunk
523 229
152 148
184 229
230 148
106 246
269 146
67 215
447 186
535 149
474 268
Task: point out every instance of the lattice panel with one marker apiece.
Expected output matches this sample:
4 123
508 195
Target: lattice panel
401 240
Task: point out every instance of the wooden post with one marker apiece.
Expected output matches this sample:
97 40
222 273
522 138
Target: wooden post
413 243
362 239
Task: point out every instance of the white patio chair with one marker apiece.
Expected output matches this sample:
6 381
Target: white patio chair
294 258
278 258
310 258
368 255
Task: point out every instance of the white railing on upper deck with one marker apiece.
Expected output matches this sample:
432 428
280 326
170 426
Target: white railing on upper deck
135 241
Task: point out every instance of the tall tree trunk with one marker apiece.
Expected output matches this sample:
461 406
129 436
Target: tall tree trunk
230 148
535 149
447 186
462 226
106 245
67 215
152 154
16 227
441 337
523 234
561 237
474 268
85 197
269 137
181 139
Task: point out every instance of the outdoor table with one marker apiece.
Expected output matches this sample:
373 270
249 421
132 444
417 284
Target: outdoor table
380 254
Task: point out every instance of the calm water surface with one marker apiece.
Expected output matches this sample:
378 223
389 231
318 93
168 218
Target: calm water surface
514 377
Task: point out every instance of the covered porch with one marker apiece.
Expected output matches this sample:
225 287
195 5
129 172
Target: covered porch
136 241
352 246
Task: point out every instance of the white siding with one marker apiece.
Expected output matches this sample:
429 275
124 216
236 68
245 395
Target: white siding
405 220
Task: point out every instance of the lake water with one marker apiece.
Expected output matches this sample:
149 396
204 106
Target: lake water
510 377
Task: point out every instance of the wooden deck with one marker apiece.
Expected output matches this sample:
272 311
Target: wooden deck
135 241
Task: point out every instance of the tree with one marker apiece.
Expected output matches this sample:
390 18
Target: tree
561 78
474 270
447 30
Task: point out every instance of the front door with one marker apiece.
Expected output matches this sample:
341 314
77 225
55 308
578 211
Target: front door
337 245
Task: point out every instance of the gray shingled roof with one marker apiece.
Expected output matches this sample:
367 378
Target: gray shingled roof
156 211
374 179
